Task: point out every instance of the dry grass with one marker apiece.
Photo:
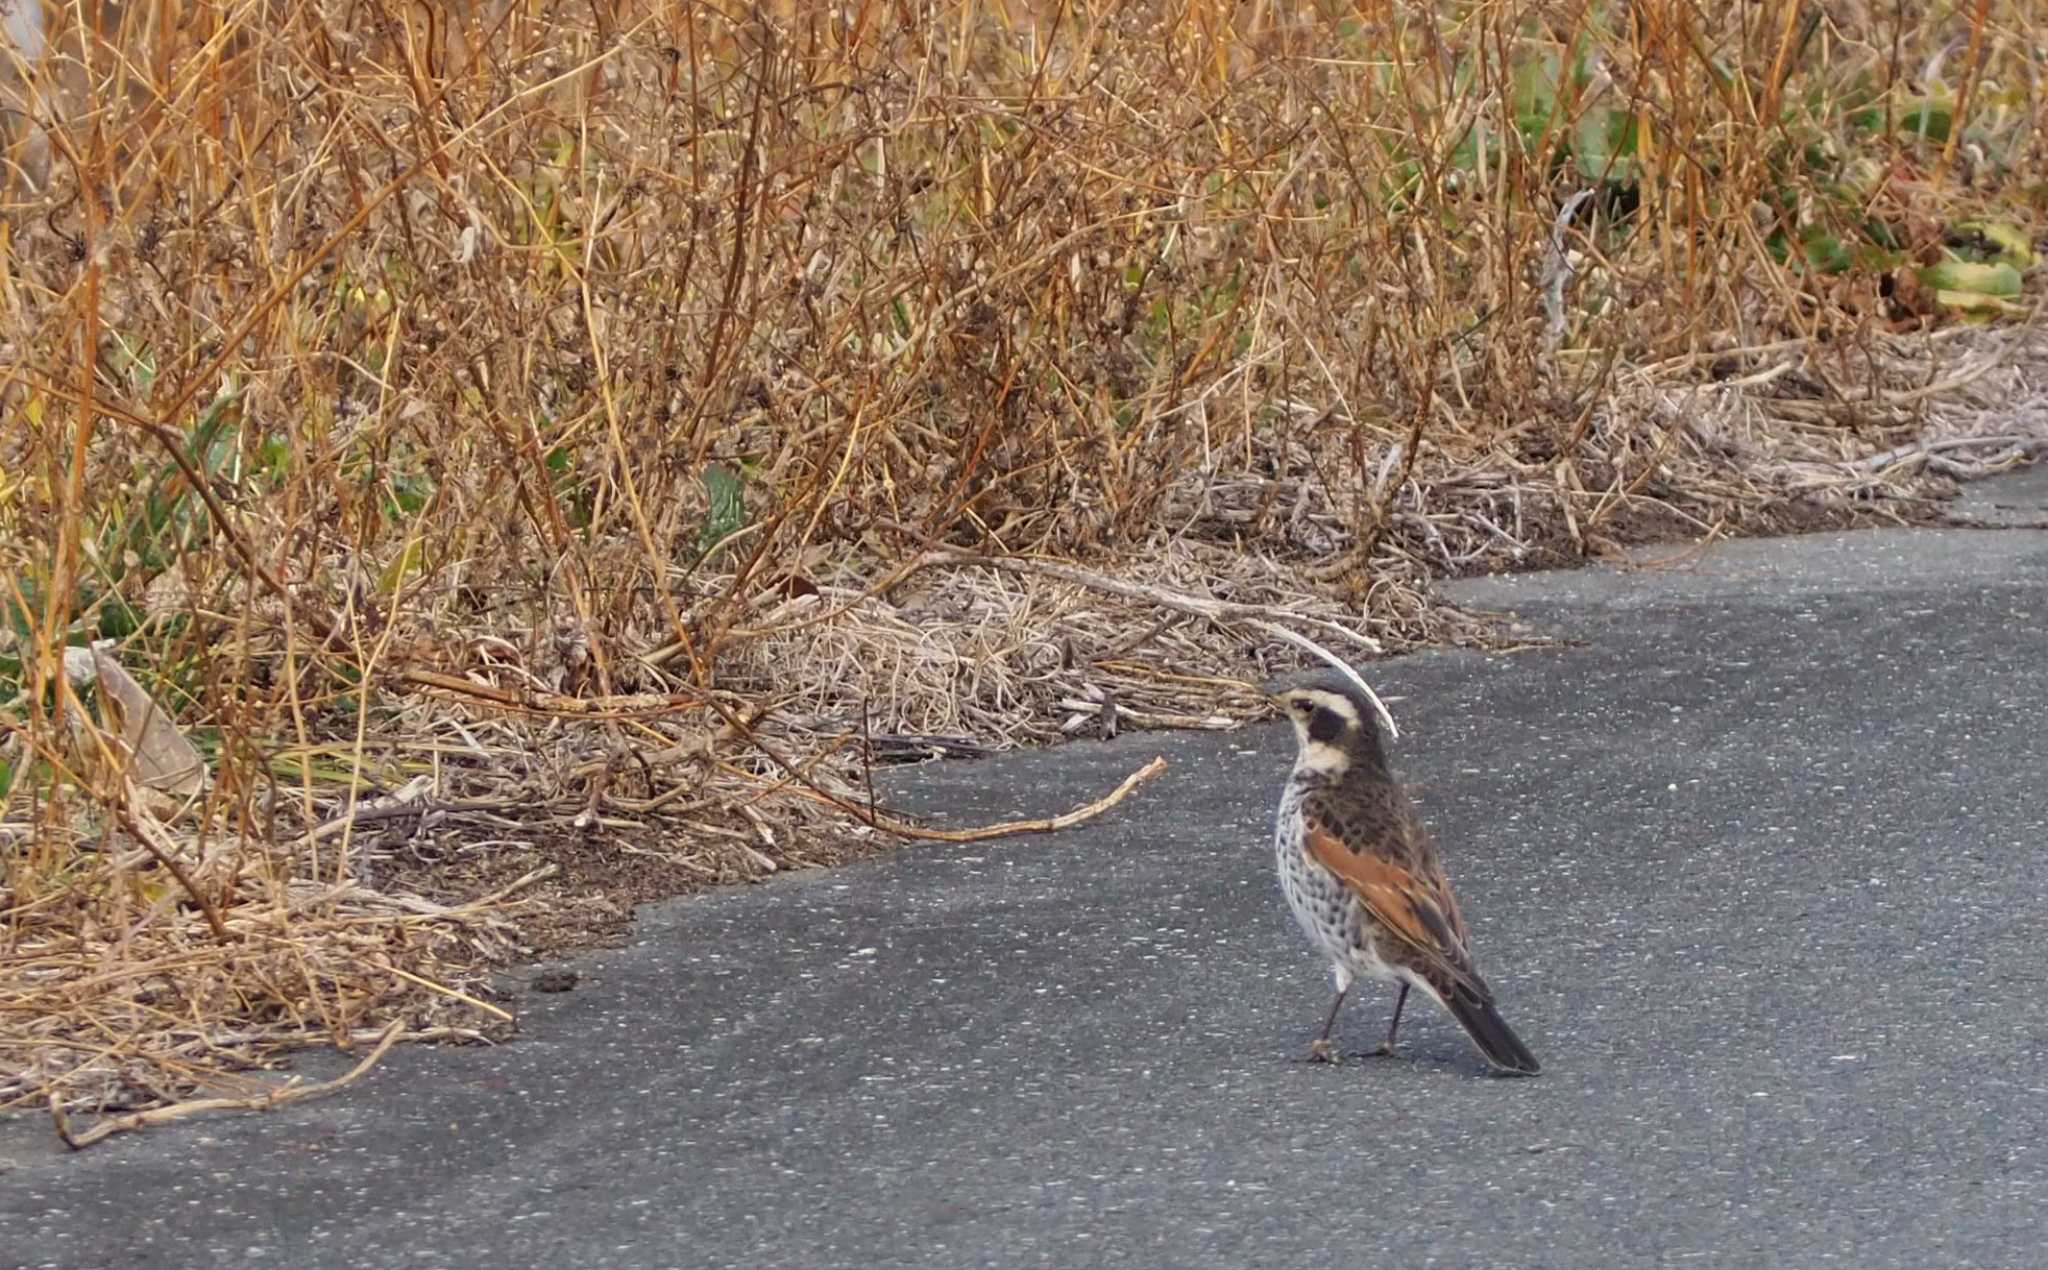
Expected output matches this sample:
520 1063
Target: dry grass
563 421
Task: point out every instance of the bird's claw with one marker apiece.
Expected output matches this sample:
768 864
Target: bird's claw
1322 1050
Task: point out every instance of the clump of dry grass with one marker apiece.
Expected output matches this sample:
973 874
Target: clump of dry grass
614 424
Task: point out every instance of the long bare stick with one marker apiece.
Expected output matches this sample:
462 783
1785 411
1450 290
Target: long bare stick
179 1110
1926 449
1066 820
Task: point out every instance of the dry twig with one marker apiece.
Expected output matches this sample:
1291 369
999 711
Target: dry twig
294 1092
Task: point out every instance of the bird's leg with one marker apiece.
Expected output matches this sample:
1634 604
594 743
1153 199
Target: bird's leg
1393 1029
1321 1050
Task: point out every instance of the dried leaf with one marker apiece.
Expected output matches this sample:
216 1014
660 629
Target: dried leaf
164 759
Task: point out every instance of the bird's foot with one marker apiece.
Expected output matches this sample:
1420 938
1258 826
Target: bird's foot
1321 1050
1378 1051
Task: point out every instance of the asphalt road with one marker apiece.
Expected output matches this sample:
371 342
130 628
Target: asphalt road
1755 868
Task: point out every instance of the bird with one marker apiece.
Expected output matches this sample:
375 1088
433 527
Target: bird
1363 877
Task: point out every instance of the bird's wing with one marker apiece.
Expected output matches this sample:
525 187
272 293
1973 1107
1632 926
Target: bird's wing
1414 903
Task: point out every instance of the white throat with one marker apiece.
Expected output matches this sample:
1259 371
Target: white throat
1319 758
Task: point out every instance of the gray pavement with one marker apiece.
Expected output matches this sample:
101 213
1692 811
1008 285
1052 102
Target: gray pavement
1754 865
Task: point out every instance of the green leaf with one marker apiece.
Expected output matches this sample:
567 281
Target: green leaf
213 431
1969 277
1927 117
406 493
1605 141
274 457
139 360
1535 93
1826 252
118 619
727 514
1971 304
1998 242
409 561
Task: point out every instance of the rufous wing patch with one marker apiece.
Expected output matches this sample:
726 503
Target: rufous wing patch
1402 901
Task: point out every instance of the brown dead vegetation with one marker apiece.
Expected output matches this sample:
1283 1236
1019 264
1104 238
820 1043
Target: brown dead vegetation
508 437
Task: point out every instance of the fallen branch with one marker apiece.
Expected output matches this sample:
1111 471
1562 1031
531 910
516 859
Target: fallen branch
1066 820
179 1110
1923 450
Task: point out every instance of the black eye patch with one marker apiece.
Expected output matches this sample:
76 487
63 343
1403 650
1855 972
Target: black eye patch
1325 725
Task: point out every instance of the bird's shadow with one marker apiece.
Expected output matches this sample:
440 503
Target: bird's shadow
1406 1059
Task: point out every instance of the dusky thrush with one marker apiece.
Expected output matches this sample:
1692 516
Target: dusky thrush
1363 876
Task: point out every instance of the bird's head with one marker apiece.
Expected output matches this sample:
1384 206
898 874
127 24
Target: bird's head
1336 724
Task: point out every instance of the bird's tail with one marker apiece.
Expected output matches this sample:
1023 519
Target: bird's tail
1490 1032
